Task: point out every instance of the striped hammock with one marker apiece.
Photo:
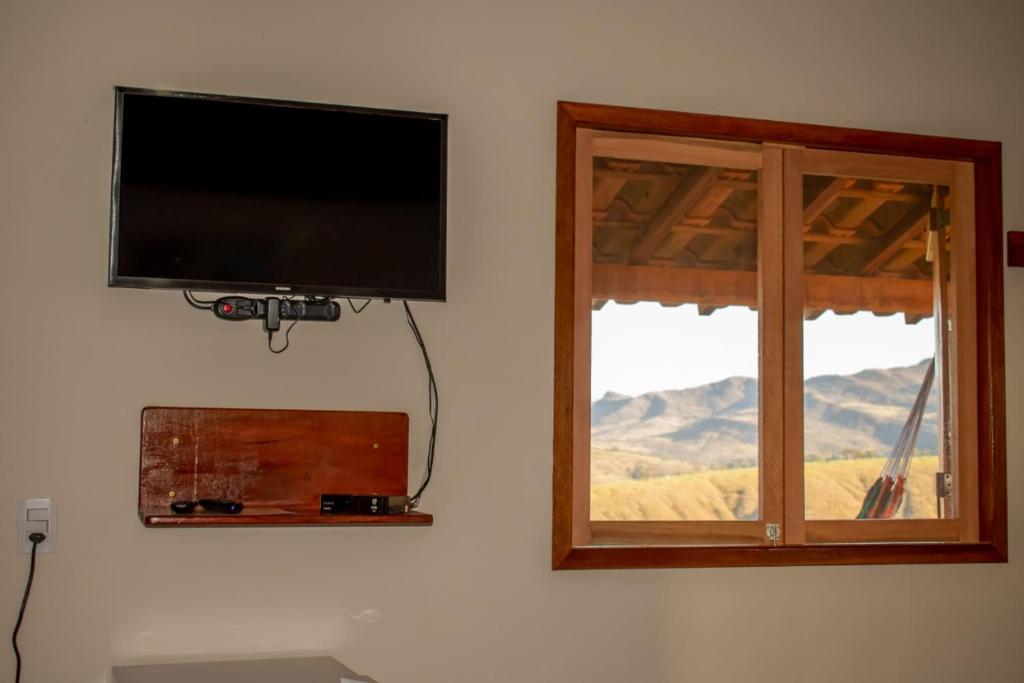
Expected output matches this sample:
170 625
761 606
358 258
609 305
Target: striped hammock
885 496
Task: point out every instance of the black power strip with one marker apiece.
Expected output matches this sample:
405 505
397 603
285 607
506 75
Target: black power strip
274 310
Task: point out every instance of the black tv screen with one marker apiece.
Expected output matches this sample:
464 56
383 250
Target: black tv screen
243 195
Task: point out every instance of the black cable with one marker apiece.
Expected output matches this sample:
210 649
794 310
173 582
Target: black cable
433 405
206 305
36 539
359 310
287 332
196 303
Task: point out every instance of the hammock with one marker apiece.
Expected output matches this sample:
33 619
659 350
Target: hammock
885 496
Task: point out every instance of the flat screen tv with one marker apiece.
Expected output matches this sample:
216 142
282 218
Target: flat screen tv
234 194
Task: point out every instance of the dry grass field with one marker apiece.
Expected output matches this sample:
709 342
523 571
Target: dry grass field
834 490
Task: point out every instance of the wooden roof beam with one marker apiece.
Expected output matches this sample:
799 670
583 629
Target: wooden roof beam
702 214
752 186
910 225
913 319
854 216
875 294
875 194
706 287
822 201
606 188
678 204
689 231
627 175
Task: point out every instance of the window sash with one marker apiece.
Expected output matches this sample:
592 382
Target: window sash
959 177
781 289
610 281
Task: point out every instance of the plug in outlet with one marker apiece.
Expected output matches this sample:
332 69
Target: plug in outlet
37 514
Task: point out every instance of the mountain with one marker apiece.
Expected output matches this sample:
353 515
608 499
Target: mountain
714 426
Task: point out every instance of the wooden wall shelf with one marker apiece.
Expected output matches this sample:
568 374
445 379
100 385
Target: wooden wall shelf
253 516
276 462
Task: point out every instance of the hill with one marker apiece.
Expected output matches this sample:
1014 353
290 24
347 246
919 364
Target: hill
714 426
834 490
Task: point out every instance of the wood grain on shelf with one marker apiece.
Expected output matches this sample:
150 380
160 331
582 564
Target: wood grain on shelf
281 459
268 516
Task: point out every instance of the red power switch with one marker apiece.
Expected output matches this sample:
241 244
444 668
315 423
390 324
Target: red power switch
228 308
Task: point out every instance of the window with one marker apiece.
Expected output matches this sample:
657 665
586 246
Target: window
775 344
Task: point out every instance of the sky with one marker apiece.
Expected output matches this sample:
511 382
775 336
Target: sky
647 347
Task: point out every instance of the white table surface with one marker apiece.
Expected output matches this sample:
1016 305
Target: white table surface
291 670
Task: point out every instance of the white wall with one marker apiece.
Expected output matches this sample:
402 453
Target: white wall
471 599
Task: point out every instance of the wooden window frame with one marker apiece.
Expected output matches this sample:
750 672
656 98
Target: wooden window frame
659 544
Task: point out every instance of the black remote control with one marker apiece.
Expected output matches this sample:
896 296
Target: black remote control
221 506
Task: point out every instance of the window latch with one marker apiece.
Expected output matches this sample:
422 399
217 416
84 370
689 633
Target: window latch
773 530
940 217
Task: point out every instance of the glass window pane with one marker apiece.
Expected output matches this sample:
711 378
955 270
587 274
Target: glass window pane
674 413
873 382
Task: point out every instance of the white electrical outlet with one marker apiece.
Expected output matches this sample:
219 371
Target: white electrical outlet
37 514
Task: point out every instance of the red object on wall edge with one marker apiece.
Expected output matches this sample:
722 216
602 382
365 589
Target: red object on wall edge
1015 248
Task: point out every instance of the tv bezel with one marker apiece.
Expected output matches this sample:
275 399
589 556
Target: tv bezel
280 288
